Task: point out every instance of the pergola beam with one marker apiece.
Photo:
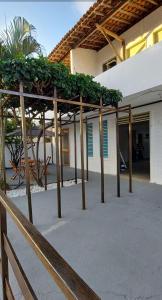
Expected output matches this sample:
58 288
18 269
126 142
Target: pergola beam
71 102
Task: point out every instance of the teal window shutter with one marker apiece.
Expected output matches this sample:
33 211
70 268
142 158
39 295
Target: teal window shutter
90 139
105 139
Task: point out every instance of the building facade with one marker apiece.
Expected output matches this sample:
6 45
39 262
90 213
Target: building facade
128 59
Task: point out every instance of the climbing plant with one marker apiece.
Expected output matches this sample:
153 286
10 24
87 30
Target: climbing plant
40 76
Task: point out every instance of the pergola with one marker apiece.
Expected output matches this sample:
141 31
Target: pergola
77 106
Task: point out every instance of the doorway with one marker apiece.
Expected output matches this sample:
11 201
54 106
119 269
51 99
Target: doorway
65 147
140 149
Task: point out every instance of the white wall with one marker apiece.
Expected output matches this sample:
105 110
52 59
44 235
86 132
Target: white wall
94 162
110 162
83 61
136 74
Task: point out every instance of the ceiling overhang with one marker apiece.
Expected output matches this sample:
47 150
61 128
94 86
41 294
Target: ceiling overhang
116 16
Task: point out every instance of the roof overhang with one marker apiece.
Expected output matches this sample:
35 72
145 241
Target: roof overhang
117 16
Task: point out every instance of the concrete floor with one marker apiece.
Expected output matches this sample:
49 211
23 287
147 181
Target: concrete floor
115 247
141 170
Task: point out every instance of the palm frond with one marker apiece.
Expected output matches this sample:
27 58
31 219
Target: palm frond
18 39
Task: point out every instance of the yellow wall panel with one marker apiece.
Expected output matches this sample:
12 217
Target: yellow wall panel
158 36
138 47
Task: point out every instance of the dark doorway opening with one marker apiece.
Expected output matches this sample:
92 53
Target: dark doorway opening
140 149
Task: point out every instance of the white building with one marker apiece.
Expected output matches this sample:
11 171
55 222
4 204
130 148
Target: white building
125 53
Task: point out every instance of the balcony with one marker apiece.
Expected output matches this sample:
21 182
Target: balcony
136 74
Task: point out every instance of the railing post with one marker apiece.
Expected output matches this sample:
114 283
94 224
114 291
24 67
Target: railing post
4 259
57 154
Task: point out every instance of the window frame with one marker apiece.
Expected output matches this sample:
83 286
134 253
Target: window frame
107 62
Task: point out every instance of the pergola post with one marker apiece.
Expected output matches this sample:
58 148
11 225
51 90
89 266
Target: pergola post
75 150
3 149
82 155
61 157
117 151
44 150
87 172
24 137
52 150
57 154
130 149
101 152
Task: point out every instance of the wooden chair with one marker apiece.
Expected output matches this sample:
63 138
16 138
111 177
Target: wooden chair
19 171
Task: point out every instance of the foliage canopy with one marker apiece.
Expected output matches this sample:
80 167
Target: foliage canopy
40 76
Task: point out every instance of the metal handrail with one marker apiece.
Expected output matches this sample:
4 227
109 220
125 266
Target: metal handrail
70 283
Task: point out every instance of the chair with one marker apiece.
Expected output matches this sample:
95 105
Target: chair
17 170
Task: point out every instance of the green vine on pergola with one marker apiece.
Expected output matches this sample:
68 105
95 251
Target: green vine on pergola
40 76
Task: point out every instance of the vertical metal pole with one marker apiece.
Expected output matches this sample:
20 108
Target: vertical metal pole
87 172
52 149
3 149
44 149
75 150
57 155
4 259
117 151
61 158
101 152
82 155
130 149
24 137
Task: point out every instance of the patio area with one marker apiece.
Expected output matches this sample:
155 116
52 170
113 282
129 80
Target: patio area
115 247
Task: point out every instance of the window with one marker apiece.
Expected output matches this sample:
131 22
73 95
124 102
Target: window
105 139
90 139
136 48
158 36
109 64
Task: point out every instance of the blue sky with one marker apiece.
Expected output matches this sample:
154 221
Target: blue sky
51 19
